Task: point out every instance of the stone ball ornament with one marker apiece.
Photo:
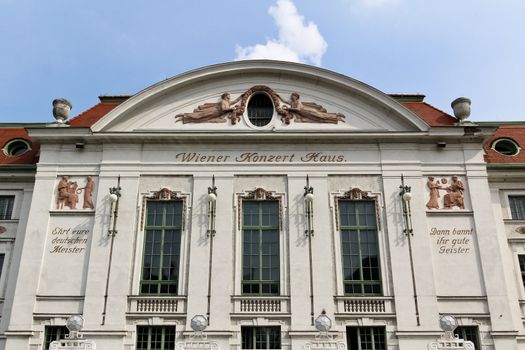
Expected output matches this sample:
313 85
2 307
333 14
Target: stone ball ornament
199 323
61 109
75 323
448 323
323 323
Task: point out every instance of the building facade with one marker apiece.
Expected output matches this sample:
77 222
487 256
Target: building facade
260 194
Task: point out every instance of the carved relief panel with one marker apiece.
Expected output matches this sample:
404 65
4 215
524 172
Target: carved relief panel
74 193
445 193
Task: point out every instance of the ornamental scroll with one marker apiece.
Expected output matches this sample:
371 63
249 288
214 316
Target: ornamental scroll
295 109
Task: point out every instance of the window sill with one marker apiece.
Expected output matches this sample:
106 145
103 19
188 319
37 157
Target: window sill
72 212
449 212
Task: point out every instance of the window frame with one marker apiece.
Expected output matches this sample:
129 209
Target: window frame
513 195
463 329
268 335
261 194
163 329
45 344
164 194
356 193
163 228
262 231
373 329
4 211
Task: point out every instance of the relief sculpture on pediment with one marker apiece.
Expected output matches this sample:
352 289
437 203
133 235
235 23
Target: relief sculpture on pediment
295 109
211 112
309 112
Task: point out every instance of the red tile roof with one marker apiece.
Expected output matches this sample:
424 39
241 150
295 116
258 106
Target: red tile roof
8 134
430 114
92 115
514 132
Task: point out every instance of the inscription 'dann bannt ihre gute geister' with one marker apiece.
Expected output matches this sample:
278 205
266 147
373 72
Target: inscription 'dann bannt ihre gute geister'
454 241
260 157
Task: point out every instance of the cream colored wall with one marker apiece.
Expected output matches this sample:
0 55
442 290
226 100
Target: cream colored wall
467 285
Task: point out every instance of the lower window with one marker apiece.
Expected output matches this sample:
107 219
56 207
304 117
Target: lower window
366 338
261 337
155 337
468 333
53 333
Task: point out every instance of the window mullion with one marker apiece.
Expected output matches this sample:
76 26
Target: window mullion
162 338
260 250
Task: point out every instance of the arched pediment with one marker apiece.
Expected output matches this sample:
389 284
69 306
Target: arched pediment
304 98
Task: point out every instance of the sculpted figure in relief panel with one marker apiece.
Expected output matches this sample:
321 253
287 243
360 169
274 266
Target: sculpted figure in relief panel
68 193
454 196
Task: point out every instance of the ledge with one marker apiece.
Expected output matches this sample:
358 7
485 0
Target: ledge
444 212
72 212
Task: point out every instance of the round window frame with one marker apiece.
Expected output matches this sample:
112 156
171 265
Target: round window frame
10 143
506 139
247 115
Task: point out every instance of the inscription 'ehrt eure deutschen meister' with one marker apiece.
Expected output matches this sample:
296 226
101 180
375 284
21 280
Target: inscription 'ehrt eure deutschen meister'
259 157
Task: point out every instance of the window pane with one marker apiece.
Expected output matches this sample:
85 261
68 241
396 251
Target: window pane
161 256
155 338
469 333
359 247
261 337
260 256
366 338
521 259
53 333
6 207
517 207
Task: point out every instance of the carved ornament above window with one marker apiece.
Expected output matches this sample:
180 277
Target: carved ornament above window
165 194
356 193
259 194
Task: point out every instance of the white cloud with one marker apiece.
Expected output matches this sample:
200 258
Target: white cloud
297 41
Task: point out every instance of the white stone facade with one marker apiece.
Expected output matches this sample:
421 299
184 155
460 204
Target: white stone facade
462 261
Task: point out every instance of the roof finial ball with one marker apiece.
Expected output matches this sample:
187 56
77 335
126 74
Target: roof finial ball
61 109
461 107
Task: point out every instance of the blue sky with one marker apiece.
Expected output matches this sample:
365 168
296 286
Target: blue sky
81 49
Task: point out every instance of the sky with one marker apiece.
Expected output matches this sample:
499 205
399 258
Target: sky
79 49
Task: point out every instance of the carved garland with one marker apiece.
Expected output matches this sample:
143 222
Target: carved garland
164 194
259 194
288 110
276 99
357 194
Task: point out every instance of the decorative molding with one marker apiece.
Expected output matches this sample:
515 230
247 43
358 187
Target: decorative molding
261 194
165 194
357 194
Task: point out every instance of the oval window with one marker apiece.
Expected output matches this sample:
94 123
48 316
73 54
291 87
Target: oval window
506 147
260 110
16 148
